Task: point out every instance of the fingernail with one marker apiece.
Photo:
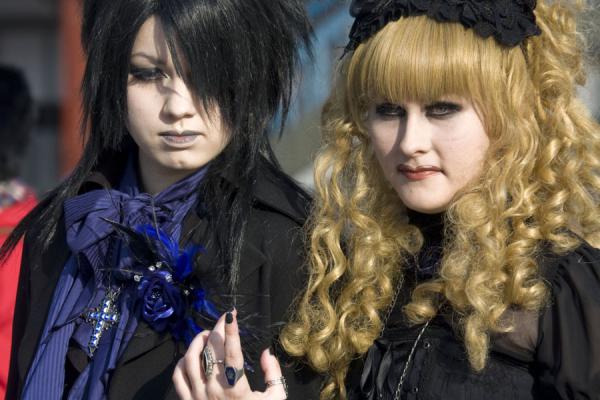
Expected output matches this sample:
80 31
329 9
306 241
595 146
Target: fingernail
228 317
271 350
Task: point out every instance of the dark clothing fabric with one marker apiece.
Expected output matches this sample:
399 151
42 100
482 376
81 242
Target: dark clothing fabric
85 281
270 276
556 355
432 228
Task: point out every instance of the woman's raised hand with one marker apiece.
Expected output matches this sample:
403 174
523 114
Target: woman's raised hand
213 367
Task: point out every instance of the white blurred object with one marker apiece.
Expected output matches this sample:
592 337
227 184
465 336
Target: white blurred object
305 177
590 93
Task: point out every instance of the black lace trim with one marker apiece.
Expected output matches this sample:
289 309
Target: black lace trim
509 21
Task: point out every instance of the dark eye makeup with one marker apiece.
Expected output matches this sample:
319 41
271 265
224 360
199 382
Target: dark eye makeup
389 110
438 109
442 109
146 74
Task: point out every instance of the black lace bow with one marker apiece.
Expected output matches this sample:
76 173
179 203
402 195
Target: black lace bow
509 21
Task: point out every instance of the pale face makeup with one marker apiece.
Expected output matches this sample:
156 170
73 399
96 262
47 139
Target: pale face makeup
428 152
175 135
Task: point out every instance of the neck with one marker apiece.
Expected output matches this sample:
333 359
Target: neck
154 178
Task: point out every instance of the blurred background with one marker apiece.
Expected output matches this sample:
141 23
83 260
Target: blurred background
41 37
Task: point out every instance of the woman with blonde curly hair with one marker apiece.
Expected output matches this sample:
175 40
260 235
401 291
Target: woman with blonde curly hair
453 240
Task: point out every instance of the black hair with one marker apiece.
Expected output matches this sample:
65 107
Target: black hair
242 55
16 120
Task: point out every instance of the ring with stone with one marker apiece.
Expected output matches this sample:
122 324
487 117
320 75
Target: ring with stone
233 374
208 361
278 381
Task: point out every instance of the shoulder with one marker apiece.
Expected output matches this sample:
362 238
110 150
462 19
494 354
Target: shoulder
568 348
280 210
278 196
578 269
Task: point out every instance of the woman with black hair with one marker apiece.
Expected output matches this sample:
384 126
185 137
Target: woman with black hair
177 210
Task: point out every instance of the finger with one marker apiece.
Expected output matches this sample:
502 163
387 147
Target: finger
234 358
233 347
272 372
216 382
191 364
181 382
217 338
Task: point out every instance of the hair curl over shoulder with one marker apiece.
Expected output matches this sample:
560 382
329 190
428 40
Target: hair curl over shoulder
540 185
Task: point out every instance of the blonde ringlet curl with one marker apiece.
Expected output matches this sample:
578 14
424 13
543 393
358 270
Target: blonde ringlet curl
538 190
348 287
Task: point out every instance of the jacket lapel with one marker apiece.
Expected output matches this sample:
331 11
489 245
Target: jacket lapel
44 270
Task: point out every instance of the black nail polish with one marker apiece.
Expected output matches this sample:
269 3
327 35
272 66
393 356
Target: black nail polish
271 350
228 317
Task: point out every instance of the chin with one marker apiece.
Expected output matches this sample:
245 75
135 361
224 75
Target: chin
428 210
424 206
183 165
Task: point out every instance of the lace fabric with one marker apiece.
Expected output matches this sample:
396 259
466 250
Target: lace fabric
508 21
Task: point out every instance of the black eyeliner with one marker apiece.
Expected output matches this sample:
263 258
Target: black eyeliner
146 74
389 110
443 109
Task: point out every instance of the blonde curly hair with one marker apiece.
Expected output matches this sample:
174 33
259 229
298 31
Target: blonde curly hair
539 184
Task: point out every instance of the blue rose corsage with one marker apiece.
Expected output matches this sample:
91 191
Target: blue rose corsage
169 296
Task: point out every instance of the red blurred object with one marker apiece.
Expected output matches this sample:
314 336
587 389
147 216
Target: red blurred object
73 65
9 277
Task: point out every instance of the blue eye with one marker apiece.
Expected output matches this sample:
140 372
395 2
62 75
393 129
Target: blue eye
443 109
146 74
389 110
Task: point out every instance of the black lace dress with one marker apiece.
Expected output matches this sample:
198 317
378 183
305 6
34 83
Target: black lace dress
551 355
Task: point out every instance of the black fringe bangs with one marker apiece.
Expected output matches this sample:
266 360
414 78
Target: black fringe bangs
241 55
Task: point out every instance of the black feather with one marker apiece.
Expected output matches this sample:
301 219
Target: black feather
143 249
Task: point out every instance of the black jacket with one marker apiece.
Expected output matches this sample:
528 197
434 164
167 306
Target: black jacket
271 274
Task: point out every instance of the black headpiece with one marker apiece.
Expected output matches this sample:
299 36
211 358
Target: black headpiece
509 21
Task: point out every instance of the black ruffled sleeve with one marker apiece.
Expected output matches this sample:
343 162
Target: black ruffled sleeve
568 351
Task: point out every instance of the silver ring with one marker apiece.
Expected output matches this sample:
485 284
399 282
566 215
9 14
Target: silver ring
278 381
233 374
208 361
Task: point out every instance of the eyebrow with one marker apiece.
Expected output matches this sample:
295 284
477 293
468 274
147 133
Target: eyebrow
149 57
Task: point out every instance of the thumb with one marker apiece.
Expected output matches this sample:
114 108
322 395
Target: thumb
276 386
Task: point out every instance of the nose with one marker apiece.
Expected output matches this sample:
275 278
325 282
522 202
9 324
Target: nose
415 138
179 101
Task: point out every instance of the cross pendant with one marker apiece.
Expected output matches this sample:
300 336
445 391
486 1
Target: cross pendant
102 318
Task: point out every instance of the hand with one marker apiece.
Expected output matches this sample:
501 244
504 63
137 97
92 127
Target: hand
224 342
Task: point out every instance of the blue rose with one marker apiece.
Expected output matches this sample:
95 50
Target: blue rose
163 303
